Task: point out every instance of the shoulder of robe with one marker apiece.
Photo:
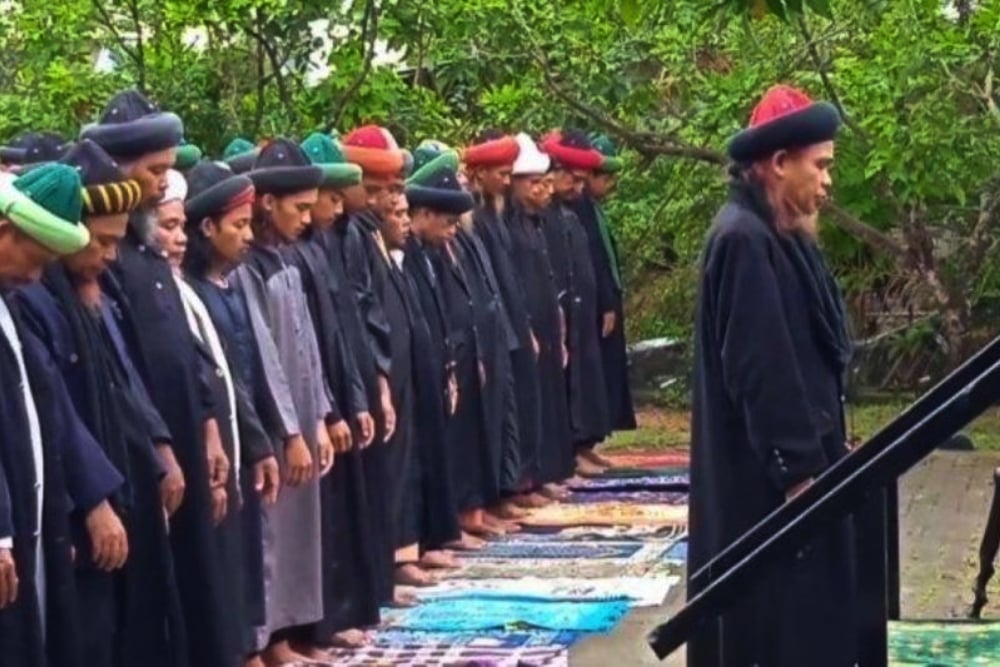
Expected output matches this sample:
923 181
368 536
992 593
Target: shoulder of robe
737 231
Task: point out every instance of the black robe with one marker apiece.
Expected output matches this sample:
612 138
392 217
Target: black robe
569 251
227 308
498 339
133 613
474 457
614 351
175 375
770 353
497 239
433 360
350 581
555 455
353 246
77 476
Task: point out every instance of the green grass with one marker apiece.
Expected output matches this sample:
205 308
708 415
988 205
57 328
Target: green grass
669 428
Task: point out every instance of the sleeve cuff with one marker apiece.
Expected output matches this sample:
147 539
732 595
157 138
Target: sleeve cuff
788 468
6 543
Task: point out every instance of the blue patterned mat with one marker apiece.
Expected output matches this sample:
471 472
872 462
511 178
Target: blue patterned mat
679 482
473 612
554 549
678 552
496 638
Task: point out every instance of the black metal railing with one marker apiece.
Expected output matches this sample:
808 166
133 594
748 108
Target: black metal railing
865 478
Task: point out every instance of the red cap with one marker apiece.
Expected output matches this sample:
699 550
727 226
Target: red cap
582 156
374 149
493 153
779 101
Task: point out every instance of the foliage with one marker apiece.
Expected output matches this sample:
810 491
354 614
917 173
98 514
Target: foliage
917 187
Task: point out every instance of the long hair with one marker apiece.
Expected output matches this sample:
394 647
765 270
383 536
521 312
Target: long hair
198 257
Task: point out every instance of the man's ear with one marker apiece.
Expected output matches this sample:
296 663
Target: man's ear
206 227
268 202
779 162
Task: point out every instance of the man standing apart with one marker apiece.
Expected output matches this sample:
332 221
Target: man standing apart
771 348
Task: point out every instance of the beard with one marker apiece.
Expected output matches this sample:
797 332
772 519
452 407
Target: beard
143 223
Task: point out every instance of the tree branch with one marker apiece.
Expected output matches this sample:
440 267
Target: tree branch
369 32
133 6
108 22
873 237
272 56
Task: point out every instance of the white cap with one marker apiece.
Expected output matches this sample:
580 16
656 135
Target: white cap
530 160
177 187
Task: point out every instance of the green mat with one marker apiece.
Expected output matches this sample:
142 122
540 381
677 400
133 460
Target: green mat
943 644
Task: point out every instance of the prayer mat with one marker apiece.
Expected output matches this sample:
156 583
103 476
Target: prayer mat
595 534
640 591
678 483
640 497
446 655
649 459
470 613
531 549
943 644
507 639
607 514
644 560
627 472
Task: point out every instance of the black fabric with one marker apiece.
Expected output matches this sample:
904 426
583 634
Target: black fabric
41 147
93 163
350 580
812 125
282 168
168 360
614 350
555 461
767 414
441 192
132 126
569 251
210 188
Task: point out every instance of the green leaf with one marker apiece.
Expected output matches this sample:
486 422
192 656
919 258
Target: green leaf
821 7
631 11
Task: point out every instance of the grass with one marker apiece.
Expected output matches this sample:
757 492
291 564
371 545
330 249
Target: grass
670 428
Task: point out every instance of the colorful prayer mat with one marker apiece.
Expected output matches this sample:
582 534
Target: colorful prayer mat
532 549
649 459
642 497
446 655
678 483
607 514
642 562
618 473
507 639
595 533
646 591
943 644
469 613
677 553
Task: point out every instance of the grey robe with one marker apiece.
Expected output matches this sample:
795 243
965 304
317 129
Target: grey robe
298 399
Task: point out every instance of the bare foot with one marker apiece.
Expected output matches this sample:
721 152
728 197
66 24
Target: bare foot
439 560
279 654
584 466
595 457
508 509
467 542
410 574
555 491
495 522
533 500
254 661
352 638
403 600
312 654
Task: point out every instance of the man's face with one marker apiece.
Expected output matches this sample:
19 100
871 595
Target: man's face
230 235
329 206
382 192
802 178
290 214
22 259
168 235
569 183
106 232
355 198
435 228
494 181
396 227
151 172
600 185
534 192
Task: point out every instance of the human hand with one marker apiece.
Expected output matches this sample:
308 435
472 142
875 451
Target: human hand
108 541
298 461
8 579
172 485
267 479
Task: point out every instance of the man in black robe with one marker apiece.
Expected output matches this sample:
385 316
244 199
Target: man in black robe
573 158
129 615
50 465
608 273
350 580
143 140
771 349
531 195
489 164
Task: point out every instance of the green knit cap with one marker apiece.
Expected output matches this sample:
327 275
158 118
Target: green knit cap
326 154
46 204
603 143
188 156
430 156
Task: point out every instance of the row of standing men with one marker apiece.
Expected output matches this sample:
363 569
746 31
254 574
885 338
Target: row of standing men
245 401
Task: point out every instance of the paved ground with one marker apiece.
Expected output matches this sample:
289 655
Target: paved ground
943 505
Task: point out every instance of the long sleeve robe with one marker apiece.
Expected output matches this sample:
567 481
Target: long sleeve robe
299 400
767 414
350 581
607 273
133 613
163 350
